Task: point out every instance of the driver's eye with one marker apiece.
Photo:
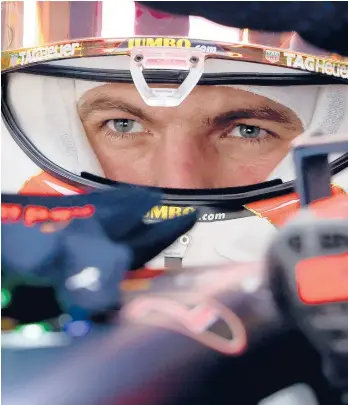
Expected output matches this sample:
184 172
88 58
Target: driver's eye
248 131
125 125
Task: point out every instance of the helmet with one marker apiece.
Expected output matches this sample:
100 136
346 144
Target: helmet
204 113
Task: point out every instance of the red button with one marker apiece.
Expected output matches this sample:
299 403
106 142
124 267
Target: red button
323 279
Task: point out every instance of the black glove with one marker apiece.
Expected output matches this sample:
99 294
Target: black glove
86 260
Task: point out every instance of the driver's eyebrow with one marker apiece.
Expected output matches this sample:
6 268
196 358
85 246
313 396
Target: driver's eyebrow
104 102
261 112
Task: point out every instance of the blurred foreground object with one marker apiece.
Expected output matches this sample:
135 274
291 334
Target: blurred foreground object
323 24
87 257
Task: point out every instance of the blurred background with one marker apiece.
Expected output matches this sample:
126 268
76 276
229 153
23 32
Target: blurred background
31 23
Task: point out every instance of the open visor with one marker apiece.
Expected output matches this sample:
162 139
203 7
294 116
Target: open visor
172 113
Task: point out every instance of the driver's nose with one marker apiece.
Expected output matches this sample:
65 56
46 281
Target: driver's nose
185 160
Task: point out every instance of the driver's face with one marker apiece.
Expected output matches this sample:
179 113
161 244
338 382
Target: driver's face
218 137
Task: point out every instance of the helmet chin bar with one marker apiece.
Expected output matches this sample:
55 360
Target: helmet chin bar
186 60
313 172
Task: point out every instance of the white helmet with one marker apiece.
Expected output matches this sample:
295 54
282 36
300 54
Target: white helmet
208 121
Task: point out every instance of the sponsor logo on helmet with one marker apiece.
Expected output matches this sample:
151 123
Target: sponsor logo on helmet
44 53
14 59
168 212
272 56
160 42
318 65
204 46
161 212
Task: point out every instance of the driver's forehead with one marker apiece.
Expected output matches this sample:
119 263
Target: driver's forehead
203 101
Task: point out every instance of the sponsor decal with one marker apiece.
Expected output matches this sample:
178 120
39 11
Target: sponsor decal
272 56
161 212
208 322
167 212
204 46
318 65
44 53
207 48
13 60
160 42
33 214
